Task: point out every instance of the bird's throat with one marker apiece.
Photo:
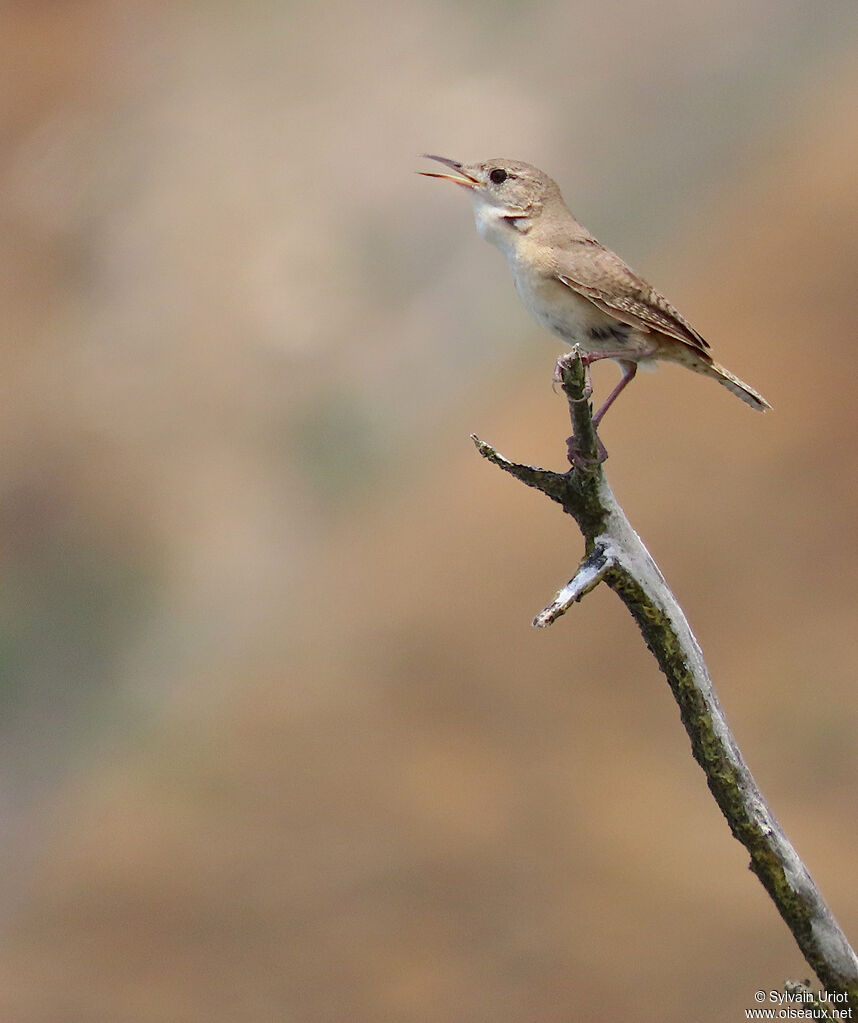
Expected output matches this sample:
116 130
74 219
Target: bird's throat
501 227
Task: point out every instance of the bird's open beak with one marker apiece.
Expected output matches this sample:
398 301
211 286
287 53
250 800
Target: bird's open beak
464 179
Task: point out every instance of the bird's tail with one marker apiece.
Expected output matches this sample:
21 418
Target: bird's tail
738 387
702 362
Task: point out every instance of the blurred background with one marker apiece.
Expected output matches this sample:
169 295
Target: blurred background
278 740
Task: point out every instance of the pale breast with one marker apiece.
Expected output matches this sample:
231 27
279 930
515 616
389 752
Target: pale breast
567 314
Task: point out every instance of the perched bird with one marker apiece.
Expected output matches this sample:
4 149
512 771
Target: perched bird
573 285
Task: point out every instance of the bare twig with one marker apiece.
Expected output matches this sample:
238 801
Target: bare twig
614 553
591 572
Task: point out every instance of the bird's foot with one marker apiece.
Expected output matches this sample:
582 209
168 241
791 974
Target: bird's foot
581 460
561 364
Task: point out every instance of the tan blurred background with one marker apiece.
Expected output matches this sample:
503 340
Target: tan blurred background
278 741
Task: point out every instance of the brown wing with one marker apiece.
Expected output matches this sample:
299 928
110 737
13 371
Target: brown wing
600 275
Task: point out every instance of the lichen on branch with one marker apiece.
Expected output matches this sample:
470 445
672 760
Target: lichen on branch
614 554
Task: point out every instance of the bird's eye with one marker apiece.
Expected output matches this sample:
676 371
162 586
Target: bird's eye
498 176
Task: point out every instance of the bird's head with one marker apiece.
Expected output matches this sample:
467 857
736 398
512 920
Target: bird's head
508 195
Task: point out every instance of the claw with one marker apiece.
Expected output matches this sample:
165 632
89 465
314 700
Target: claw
560 365
582 462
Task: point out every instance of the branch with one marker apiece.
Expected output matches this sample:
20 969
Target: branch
615 554
591 572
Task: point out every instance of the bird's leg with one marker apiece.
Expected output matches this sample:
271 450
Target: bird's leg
577 457
629 369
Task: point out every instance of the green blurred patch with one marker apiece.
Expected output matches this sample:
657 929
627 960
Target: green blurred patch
339 445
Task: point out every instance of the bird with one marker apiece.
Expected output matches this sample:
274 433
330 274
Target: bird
573 285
